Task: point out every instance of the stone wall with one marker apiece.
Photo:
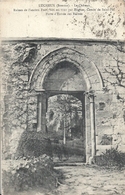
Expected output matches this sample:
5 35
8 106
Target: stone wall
19 108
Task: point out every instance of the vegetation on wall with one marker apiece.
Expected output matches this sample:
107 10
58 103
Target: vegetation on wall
16 58
19 108
116 71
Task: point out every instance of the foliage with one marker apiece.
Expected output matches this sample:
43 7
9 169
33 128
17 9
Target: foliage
112 157
116 71
63 108
34 144
106 140
31 172
15 72
61 150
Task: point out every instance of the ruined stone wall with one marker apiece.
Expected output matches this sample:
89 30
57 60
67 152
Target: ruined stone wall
16 58
19 107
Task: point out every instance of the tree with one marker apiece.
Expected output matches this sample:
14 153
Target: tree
63 112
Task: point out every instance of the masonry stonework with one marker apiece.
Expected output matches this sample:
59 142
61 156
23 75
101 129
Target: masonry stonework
32 66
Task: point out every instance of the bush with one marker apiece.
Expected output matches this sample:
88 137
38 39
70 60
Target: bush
112 157
29 173
34 144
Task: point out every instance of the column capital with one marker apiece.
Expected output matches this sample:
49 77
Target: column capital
40 90
90 94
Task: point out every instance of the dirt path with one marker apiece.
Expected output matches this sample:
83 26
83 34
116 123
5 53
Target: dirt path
85 180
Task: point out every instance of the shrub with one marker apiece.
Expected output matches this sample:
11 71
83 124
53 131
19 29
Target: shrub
34 144
111 157
29 173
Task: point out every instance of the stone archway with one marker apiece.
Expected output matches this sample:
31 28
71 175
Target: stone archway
43 76
88 69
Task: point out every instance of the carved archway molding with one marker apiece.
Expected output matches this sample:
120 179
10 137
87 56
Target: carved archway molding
91 76
89 70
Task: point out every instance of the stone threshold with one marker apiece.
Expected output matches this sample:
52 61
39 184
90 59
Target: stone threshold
69 164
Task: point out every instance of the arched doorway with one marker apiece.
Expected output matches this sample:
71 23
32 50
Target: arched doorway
66 71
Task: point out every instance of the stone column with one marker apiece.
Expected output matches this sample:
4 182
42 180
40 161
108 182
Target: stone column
87 128
41 113
92 122
44 109
84 124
